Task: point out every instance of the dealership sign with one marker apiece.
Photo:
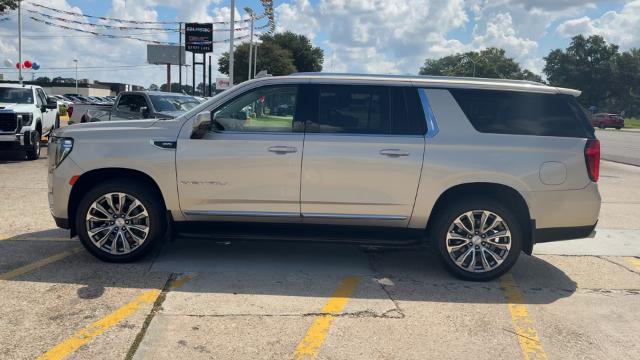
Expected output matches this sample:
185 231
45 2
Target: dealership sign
222 83
199 37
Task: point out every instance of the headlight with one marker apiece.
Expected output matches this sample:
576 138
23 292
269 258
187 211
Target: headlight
63 147
25 119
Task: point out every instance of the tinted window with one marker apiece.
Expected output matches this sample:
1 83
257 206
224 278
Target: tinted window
16 95
367 110
131 102
265 109
173 102
521 113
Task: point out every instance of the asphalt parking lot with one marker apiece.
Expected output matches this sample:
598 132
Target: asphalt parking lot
206 300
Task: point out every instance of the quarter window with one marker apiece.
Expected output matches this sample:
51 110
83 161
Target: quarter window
265 109
522 113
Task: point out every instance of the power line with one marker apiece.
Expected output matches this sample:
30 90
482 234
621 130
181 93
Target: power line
106 26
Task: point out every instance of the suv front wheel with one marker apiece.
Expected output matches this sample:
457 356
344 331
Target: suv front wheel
120 221
478 239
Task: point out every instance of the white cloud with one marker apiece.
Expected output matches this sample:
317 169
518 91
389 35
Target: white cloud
621 28
500 31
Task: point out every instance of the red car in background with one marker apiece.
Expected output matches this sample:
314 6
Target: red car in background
605 120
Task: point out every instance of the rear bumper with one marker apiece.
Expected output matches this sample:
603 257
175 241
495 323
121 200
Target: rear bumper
563 233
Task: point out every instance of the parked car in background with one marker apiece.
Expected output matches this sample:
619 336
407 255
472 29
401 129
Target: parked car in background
132 105
61 100
26 113
480 169
607 120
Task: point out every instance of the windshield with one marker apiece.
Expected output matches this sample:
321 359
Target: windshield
16 95
173 103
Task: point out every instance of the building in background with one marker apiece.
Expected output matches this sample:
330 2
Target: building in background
85 87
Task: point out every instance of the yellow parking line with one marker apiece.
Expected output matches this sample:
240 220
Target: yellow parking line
522 323
310 345
635 262
38 264
88 333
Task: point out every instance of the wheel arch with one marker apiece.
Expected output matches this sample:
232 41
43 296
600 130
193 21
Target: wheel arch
506 194
92 178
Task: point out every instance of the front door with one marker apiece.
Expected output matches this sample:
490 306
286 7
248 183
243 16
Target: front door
248 164
363 156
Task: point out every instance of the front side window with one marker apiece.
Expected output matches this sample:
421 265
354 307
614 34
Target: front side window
42 97
131 103
265 109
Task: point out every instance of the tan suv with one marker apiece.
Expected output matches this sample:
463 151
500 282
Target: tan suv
481 169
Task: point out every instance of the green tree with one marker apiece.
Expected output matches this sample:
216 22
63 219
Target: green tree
43 80
154 87
279 54
625 91
306 57
489 63
8 5
588 64
177 88
271 57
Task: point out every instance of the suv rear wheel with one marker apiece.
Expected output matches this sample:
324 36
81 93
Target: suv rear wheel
478 239
120 221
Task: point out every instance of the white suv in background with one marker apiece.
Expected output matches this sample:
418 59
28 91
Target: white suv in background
25 115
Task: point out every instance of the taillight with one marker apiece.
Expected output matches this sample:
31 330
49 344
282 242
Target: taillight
592 158
70 111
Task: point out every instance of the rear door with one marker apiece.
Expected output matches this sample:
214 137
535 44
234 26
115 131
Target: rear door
364 148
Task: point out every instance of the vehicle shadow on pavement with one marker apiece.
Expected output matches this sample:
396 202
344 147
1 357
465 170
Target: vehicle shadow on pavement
278 268
7 157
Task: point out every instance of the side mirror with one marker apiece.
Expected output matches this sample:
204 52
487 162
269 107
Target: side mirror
201 125
144 111
51 104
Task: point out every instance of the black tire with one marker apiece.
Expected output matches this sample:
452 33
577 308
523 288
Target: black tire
149 199
618 128
34 152
451 212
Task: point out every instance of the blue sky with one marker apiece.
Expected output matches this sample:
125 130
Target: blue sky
372 36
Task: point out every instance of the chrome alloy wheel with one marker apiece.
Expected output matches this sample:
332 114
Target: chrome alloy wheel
478 241
117 223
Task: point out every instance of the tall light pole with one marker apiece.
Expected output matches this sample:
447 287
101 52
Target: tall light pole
76 61
232 25
20 42
251 14
255 61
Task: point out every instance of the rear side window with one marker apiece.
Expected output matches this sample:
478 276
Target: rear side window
353 109
521 113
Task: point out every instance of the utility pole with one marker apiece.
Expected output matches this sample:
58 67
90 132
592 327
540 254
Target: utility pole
255 62
232 25
20 42
251 14
76 61
179 58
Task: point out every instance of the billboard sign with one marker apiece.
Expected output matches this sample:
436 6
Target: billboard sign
199 37
165 54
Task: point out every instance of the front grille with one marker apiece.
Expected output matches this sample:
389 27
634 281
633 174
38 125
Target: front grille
8 122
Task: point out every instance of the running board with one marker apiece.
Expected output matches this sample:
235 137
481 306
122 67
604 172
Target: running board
299 232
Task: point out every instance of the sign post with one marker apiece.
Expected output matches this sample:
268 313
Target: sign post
199 40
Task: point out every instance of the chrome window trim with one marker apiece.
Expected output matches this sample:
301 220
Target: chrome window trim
432 124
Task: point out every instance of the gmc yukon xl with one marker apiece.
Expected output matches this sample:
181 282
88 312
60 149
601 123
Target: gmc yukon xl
480 169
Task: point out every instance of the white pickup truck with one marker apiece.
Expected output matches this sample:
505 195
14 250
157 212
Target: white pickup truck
26 113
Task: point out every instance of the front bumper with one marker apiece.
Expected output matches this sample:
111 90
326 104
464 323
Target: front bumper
22 141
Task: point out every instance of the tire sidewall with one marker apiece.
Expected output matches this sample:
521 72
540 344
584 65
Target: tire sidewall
450 213
34 152
150 201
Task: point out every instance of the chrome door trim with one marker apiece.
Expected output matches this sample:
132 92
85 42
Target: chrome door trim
241 213
432 125
353 216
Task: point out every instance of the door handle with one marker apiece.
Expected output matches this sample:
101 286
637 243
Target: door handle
282 149
394 152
